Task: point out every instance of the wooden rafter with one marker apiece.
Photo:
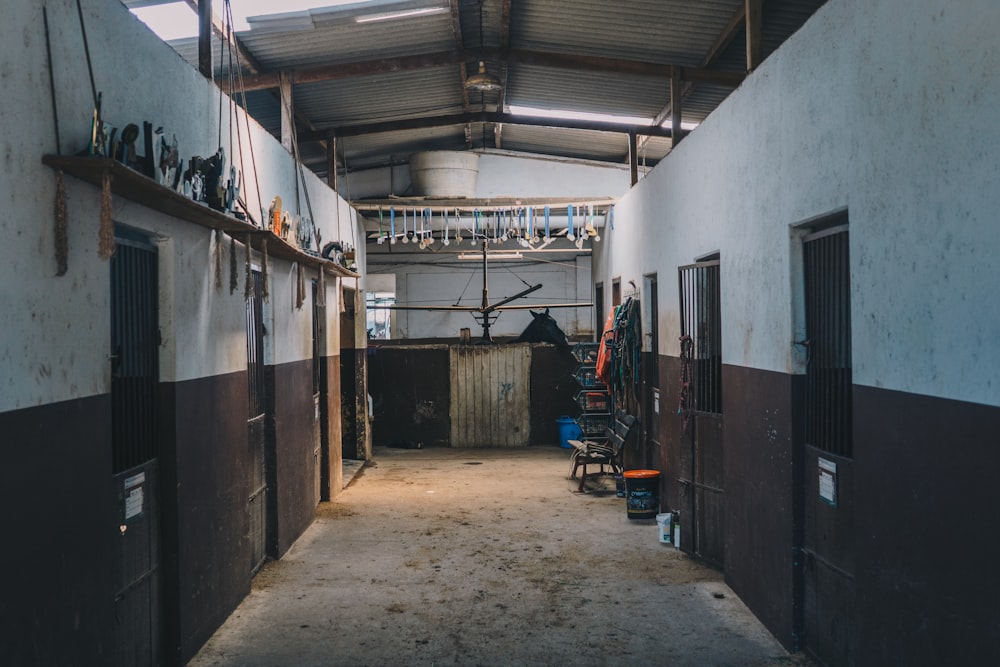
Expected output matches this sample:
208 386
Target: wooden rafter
504 70
721 43
753 21
305 75
425 122
254 66
242 54
204 10
463 73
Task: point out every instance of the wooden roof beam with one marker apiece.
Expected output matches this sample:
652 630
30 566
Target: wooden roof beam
721 43
463 73
504 70
305 75
219 29
754 19
425 122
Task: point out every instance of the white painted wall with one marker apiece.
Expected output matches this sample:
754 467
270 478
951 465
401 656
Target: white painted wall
502 174
886 108
55 337
462 282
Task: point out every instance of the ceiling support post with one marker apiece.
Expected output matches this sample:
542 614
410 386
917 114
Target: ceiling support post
331 161
675 107
753 23
287 113
633 158
205 38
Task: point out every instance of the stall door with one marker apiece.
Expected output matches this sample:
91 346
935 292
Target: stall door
134 357
651 374
256 423
702 502
828 565
490 401
318 334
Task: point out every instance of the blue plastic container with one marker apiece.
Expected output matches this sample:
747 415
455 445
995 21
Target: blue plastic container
568 430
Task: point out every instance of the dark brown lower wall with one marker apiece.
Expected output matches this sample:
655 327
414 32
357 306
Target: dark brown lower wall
669 432
206 450
295 471
410 393
353 403
927 540
58 529
61 542
410 388
332 472
760 433
553 392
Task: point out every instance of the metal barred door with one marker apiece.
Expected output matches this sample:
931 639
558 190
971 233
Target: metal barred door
257 500
702 499
135 339
828 530
318 331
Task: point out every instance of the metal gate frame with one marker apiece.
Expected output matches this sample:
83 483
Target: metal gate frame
702 511
135 450
257 500
827 534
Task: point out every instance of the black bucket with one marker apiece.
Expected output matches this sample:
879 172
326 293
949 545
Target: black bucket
642 494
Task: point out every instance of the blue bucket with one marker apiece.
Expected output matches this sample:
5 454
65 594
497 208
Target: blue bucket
568 430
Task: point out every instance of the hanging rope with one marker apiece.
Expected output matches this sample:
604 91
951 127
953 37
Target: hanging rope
247 282
61 230
300 287
511 272
106 243
321 291
234 279
218 259
684 402
243 95
625 350
263 271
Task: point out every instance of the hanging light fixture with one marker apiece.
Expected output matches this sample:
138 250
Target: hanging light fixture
482 81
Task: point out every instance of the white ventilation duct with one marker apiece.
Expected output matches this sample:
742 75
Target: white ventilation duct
444 173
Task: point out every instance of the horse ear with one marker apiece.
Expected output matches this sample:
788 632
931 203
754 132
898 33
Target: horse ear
546 311
534 314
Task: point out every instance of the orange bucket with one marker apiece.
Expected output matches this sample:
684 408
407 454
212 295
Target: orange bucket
642 493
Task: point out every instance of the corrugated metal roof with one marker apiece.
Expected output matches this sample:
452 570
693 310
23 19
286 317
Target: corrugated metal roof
677 32
666 31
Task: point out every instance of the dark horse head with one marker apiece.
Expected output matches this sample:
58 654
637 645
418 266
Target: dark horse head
543 329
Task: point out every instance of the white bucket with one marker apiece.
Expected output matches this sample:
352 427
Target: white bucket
444 173
663 527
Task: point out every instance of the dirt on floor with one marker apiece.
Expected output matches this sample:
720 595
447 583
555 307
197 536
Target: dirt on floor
486 557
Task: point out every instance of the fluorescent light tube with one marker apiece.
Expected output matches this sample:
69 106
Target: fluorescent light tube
391 16
491 255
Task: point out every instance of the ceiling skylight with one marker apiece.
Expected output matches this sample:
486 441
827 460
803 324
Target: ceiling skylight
176 20
562 114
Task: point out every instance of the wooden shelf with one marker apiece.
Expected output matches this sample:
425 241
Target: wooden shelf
143 190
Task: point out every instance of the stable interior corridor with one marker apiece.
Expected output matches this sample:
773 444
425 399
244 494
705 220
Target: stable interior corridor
486 557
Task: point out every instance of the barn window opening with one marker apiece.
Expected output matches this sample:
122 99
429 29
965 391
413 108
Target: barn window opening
826 265
701 336
379 314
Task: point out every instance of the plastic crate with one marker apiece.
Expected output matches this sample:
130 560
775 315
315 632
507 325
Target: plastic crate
593 401
586 377
586 353
593 424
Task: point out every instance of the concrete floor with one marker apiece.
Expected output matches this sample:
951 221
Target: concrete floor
486 557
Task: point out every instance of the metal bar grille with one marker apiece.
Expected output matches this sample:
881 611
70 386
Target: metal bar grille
135 340
701 320
315 338
828 332
255 346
